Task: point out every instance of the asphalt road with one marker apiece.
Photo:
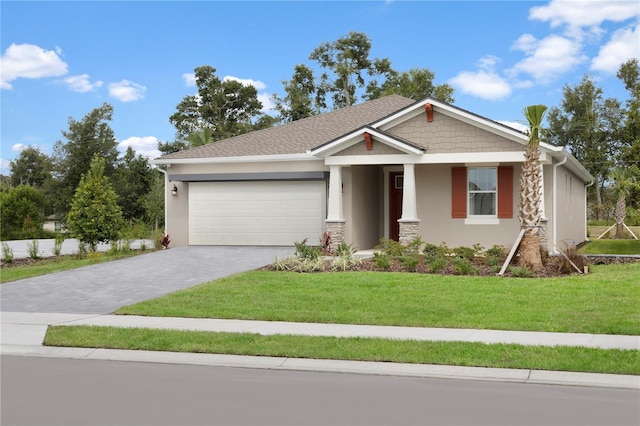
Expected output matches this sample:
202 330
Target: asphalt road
52 391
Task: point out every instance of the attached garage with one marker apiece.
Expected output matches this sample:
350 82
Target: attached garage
256 212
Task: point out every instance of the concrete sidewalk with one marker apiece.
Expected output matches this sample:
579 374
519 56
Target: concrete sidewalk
23 333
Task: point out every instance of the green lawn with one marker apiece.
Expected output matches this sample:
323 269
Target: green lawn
363 349
50 265
611 247
605 302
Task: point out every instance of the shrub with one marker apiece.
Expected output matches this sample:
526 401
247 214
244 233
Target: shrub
120 247
381 260
522 272
413 248
345 257
325 241
391 247
32 249
572 254
7 252
410 262
82 250
304 251
497 252
57 245
464 253
164 241
436 263
463 266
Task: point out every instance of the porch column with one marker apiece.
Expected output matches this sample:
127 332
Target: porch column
335 223
409 223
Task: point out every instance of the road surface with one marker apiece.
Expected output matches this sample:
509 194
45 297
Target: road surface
55 391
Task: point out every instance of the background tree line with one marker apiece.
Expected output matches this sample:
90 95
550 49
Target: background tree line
602 133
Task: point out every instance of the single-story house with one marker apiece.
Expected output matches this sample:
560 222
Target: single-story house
387 168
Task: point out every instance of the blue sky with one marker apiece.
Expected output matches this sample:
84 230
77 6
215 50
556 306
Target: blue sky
63 59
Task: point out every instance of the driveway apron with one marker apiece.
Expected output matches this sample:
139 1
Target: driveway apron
105 287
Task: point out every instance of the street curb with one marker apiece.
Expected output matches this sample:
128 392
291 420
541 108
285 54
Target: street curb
563 378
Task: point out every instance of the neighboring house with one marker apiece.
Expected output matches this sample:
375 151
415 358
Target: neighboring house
387 168
53 223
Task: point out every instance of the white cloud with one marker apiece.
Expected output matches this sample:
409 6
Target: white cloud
146 145
127 91
17 147
80 83
189 79
267 103
547 58
5 167
29 61
584 13
246 82
482 84
624 45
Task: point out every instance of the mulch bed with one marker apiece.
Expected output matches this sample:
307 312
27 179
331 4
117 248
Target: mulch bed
555 266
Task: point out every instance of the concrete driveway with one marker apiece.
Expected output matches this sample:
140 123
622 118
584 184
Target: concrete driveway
105 287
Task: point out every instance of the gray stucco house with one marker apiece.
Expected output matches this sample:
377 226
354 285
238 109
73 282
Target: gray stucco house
390 167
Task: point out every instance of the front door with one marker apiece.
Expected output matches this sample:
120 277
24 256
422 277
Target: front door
396 183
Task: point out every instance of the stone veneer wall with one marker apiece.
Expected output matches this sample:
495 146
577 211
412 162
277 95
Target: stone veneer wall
409 231
336 231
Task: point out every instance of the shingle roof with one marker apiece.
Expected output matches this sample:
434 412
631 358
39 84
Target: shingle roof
299 136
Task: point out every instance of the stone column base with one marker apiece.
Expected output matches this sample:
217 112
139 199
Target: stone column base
336 231
409 230
542 236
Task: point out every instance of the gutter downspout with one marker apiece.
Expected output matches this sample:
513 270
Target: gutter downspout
585 209
555 206
166 201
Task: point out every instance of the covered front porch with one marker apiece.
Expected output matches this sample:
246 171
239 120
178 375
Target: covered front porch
366 203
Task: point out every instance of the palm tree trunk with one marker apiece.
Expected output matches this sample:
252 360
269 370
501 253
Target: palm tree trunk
621 212
529 210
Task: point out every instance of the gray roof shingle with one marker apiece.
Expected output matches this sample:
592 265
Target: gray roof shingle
299 136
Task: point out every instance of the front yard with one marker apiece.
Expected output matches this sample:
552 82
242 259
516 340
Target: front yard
604 302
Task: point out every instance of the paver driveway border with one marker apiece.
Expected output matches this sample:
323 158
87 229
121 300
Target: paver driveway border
105 287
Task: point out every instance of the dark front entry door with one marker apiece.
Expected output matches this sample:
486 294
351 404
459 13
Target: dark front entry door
396 183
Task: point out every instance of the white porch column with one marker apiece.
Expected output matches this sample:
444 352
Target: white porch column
334 209
542 204
335 223
409 223
409 209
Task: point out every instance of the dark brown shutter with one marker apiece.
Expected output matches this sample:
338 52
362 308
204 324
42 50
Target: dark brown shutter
505 192
458 192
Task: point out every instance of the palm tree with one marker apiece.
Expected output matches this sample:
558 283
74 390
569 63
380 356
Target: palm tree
624 181
203 136
529 211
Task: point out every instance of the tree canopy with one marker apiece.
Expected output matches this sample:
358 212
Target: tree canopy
32 168
22 212
588 125
90 137
225 108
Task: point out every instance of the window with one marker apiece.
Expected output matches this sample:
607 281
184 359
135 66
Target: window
482 191
399 182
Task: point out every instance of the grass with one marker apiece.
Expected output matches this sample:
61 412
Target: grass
596 230
603 302
50 265
611 247
559 358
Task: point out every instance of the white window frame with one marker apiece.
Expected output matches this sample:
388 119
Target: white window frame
482 219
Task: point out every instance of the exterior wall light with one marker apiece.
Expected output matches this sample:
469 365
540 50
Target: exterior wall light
174 191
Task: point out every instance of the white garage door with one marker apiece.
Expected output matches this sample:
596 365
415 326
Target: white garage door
256 213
